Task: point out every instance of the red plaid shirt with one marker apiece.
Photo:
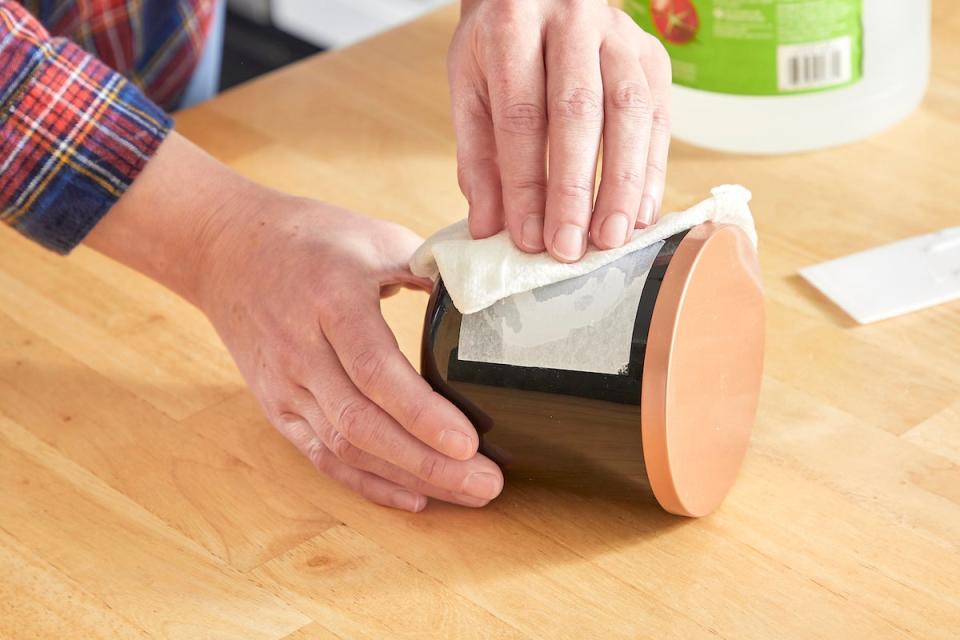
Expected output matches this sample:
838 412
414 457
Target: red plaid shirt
74 130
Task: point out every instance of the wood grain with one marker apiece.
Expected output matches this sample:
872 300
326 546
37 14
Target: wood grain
142 494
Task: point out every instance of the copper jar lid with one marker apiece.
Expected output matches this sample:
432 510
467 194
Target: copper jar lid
693 379
702 369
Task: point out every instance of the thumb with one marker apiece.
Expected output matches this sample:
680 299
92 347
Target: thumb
395 251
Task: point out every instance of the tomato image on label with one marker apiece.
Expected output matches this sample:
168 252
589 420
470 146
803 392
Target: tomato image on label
676 20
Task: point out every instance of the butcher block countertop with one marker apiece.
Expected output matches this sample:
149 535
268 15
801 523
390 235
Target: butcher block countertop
142 493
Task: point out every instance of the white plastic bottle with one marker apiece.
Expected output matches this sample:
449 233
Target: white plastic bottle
780 76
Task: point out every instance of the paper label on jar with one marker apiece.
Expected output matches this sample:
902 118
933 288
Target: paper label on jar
757 47
582 324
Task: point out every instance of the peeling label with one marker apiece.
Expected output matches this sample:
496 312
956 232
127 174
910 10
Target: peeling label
581 324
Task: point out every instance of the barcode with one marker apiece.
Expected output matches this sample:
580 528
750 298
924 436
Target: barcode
814 64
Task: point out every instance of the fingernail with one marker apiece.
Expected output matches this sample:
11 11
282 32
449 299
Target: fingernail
531 233
569 242
647 208
455 444
613 232
409 501
482 485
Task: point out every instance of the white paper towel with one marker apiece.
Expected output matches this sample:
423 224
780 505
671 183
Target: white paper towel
478 273
580 324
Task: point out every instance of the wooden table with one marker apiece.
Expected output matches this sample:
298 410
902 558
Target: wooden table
142 493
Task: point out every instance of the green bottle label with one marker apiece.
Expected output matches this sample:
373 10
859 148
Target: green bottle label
757 47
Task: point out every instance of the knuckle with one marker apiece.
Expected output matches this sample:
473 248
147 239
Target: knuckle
295 428
431 468
578 8
656 169
463 178
474 174
661 121
342 449
579 103
623 21
471 167
531 184
420 486
657 51
632 97
630 177
366 367
353 422
317 455
418 414
334 317
501 8
504 21
621 47
479 106
366 487
277 414
577 189
523 118
473 102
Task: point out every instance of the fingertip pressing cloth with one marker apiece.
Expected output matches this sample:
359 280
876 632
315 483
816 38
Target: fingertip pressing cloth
478 273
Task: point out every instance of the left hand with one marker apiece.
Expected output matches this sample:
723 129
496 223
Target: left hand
293 288
532 78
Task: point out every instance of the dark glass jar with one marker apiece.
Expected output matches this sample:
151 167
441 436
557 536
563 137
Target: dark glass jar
691 384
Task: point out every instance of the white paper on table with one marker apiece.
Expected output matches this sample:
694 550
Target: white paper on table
894 279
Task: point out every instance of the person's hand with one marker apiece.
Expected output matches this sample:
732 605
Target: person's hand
536 78
293 287
295 295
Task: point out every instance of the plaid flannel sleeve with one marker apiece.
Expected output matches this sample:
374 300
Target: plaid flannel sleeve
73 133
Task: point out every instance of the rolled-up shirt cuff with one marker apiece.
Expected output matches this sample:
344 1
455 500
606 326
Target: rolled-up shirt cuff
74 134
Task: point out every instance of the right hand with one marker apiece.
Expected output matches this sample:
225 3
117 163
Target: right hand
536 85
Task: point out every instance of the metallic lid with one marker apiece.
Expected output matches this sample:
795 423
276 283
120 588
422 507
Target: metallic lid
702 369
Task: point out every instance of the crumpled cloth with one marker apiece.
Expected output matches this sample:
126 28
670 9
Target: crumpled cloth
478 273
